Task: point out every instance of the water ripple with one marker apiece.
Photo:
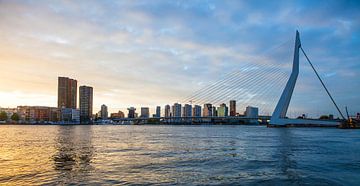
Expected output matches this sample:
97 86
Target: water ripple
171 155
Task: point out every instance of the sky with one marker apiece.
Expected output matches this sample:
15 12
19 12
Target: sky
148 53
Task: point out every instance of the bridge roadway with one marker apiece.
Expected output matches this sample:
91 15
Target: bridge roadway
194 120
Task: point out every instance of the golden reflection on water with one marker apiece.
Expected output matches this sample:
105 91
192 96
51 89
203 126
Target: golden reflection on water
66 154
24 155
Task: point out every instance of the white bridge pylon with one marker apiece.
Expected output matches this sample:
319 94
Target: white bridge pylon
278 117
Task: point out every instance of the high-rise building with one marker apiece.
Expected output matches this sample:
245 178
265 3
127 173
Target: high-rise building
86 103
207 110
104 112
214 111
222 111
158 111
131 113
167 111
196 111
145 112
232 108
67 92
187 110
252 112
176 110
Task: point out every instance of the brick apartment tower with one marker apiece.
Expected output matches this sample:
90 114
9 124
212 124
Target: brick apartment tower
67 92
232 108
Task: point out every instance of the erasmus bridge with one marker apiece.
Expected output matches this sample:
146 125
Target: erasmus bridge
216 92
242 82
279 115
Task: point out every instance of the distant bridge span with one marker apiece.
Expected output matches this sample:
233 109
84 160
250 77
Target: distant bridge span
195 120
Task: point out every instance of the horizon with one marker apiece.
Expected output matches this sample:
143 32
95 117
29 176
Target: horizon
140 53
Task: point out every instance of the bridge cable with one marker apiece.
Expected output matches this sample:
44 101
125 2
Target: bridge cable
258 88
219 91
199 91
218 85
228 87
231 81
327 91
220 97
262 98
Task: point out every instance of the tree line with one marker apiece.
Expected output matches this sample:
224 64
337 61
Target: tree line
4 116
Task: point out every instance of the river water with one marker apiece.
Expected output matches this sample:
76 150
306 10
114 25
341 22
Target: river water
186 155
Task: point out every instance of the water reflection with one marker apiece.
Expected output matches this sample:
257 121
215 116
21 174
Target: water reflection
288 166
74 152
24 155
185 155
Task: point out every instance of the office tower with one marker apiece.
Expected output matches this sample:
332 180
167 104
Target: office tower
131 113
86 103
252 112
144 112
176 110
104 112
167 111
207 110
187 110
158 110
226 110
232 108
196 111
222 111
214 111
67 92
97 116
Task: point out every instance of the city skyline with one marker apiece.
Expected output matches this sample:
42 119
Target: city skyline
134 53
67 111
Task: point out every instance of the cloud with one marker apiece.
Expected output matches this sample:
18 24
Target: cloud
330 74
